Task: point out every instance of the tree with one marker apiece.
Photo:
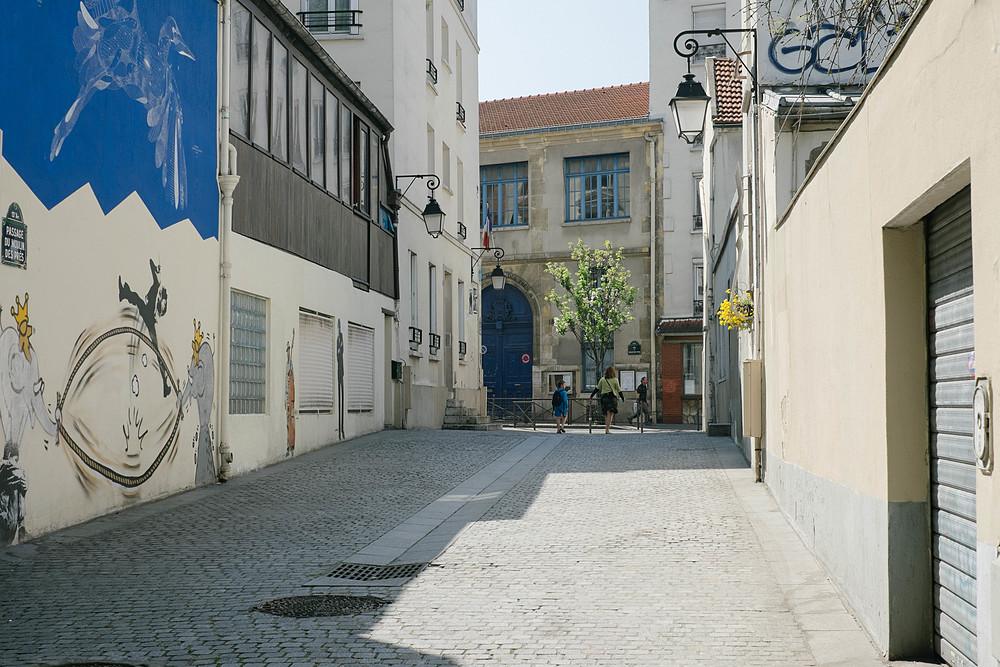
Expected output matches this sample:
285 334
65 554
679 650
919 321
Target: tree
598 299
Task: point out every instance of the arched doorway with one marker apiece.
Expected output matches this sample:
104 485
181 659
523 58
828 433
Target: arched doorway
507 340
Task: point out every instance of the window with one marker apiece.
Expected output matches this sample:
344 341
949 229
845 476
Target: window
430 31
461 313
299 116
247 354
505 194
590 376
260 84
360 361
375 159
445 46
431 148
707 17
445 166
346 154
331 16
362 162
597 187
697 222
317 131
699 290
314 390
239 95
460 177
279 101
458 72
691 353
414 318
432 325
332 149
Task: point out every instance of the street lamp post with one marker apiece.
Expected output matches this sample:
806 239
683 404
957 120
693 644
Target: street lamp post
433 215
497 277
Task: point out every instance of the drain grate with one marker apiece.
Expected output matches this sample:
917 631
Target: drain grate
311 606
365 572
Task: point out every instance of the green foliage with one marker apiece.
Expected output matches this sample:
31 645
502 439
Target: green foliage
598 299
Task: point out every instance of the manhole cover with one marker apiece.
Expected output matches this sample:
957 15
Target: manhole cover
364 572
309 606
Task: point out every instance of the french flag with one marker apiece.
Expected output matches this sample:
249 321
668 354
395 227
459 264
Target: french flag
487 228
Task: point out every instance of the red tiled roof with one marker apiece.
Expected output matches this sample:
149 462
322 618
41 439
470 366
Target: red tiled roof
728 91
593 105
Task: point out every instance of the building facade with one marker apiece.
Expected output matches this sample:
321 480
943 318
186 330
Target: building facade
557 169
418 62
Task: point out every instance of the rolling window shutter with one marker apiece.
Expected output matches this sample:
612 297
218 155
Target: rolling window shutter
360 368
314 374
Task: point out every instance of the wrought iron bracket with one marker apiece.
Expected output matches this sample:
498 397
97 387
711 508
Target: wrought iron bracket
497 252
691 46
433 182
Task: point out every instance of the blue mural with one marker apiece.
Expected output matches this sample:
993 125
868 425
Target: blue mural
120 94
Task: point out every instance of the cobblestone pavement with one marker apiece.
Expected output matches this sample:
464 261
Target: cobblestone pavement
627 549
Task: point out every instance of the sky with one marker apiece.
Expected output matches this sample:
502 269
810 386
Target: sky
531 47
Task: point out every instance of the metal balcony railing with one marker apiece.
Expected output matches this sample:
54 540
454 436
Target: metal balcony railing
697 221
462 348
435 342
699 307
432 71
337 22
461 4
460 113
462 231
416 337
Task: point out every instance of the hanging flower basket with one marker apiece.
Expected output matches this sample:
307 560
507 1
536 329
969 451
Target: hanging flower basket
736 312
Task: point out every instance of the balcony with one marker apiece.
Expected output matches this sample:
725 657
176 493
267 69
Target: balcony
462 349
338 22
416 337
696 221
460 114
435 343
462 231
699 307
432 72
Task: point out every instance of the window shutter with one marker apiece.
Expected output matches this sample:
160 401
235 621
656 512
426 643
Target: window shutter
360 370
315 372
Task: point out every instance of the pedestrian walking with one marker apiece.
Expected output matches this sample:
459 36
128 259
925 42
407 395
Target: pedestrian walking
641 401
609 391
560 405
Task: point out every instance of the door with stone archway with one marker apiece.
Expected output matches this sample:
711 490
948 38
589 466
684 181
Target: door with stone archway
508 332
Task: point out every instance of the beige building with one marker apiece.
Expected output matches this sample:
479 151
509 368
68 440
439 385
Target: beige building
872 253
556 169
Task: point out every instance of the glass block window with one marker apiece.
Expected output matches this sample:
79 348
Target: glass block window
505 194
597 187
247 354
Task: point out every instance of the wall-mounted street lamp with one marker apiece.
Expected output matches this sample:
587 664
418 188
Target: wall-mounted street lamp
433 215
690 104
498 278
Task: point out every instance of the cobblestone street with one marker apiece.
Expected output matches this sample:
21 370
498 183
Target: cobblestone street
629 549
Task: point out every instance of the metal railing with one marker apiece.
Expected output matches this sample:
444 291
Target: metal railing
462 231
699 307
432 71
461 4
338 22
535 411
697 221
460 113
434 342
416 337
462 348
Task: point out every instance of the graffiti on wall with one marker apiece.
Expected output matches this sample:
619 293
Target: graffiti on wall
21 404
811 44
127 105
200 387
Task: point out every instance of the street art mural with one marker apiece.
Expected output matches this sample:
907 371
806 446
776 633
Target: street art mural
122 103
290 395
22 404
812 42
200 387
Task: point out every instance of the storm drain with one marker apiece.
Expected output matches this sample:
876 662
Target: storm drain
365 572
311 606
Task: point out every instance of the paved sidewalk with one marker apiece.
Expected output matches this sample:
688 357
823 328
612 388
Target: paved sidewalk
627 549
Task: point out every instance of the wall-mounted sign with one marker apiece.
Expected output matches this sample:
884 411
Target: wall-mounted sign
525 358
635 347
15 238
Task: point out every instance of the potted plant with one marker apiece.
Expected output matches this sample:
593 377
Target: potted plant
737 310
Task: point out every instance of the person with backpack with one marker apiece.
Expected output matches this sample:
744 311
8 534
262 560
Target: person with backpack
609 391
560 405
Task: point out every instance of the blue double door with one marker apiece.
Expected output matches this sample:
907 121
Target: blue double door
507 339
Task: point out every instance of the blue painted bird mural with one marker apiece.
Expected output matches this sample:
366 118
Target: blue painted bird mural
114 53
